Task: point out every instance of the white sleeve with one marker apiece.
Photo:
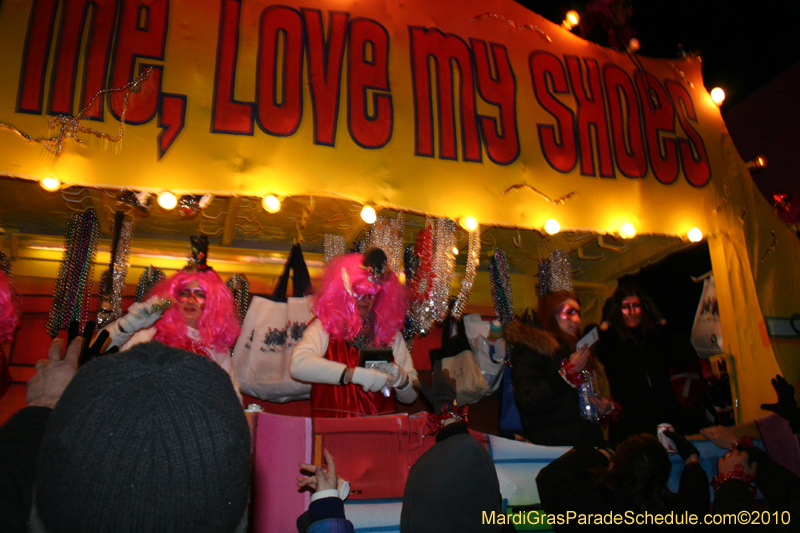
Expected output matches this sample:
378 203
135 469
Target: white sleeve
403 359
140 337
308 358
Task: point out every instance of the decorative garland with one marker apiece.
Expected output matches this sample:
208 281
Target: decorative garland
444 240
74 282
473 260
240 288
112 283
419 282
501 287
70 127
387 234
150 278
333 246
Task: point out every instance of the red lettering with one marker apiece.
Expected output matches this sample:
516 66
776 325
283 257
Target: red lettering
659 119
100 15
501 136
368 73
34 61
280 79
449 53
694 157
228 115
557 141
325 71
591 116
139 40
626 122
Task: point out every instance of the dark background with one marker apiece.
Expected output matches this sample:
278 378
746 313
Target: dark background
743 44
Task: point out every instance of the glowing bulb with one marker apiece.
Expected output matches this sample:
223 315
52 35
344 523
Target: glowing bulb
717 96
271 204
455 250
627 231
633 46
468 223
695 235
757 164
167 200
50 184
571 20
552 226
368 214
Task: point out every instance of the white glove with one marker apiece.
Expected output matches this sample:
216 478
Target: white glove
370 379
140 315
400 376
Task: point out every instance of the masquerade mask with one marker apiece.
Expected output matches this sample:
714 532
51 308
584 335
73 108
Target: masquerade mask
198 293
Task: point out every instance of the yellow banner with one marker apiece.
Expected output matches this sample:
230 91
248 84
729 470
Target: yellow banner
446 108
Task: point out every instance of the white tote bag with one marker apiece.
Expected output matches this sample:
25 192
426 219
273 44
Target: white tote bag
264 349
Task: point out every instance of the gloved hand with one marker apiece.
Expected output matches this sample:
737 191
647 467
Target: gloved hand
786 406
371 380
400 376
685 448
141 315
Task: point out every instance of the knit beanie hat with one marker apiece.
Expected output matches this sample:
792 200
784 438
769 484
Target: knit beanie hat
152 439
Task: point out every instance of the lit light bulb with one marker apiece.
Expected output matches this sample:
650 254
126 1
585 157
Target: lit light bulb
552 226
627 231
571 20
633 46
50 183
167 200
717 96
757 164
468 223
695 235
271 204
455 250
368 214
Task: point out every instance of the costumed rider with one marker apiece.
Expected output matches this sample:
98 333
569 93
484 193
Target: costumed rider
361 306
555 382
638 348
192 310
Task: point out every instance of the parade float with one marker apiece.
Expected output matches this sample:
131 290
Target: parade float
430 115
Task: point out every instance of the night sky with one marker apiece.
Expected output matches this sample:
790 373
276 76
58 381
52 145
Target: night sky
743 45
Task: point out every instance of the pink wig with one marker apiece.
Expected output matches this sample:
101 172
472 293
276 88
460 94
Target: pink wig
219 326
9 310
335 305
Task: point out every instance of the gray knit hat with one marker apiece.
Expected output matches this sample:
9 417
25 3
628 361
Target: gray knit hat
152 439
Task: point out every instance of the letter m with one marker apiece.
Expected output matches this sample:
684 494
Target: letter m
441 67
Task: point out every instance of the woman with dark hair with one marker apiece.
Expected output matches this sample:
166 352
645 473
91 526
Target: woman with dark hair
547 370
629 481
637 349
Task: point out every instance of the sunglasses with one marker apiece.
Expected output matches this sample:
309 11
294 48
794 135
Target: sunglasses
198 294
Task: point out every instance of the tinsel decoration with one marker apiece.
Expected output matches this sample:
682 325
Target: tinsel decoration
112 282
473 260
72 127
419 284
387 234
240 288
555 273
444 261
5 265
501 287
74 282
332 247
151 277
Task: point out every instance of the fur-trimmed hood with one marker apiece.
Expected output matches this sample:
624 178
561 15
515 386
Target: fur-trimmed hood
518 333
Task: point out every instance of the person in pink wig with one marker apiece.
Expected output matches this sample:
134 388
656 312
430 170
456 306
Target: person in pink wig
360 307
9 320
192 310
